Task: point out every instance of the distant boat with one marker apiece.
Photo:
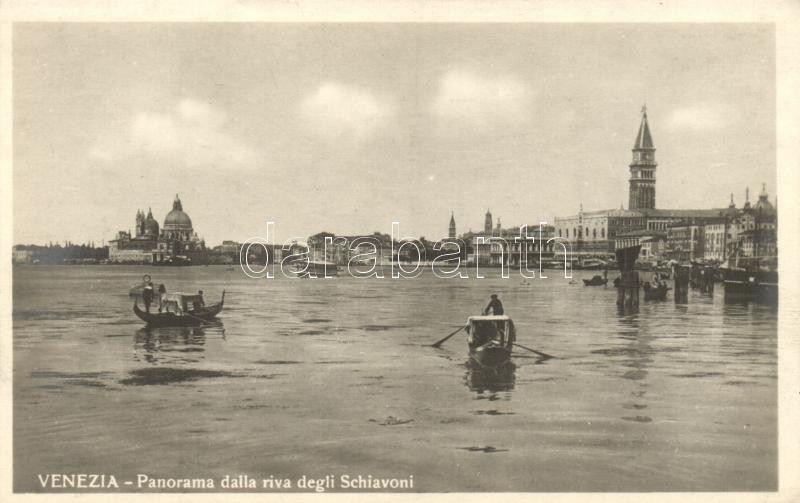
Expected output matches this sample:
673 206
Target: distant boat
491 339
176 312
593 263
655 293
596 280
319 269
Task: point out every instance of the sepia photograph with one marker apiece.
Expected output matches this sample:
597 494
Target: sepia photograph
395 257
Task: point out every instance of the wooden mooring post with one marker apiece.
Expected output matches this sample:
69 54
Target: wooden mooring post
628 287
681 289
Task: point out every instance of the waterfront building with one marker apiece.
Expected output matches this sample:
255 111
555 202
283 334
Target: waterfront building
754 229
686 242
653 243
230 248
501 246
151 244
341 249
716 239
595 232
22 254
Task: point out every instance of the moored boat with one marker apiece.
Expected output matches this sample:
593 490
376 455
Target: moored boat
596 280
655 292
756 279
491 339
177 312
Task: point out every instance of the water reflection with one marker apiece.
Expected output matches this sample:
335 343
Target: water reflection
637 358
627 310
486 379
767 299
175 343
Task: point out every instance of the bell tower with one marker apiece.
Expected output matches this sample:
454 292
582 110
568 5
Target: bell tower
452 230
487 222
642 183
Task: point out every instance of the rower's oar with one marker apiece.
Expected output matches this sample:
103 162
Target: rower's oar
439 343
543 355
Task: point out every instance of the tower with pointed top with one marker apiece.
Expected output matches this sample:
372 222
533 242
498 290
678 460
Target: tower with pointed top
139 222
487 223
452 231
642 183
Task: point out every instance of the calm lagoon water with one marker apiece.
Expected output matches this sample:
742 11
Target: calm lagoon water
319 377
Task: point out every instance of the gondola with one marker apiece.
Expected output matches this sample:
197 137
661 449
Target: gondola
491 339
176 312
595 281
655 293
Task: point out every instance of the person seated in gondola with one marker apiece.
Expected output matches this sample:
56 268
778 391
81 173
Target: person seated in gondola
200 302
483 333
162 296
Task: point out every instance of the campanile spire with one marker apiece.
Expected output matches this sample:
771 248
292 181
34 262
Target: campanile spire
642 183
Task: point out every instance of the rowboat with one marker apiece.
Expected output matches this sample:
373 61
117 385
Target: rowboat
595 281
491 339
177 313
655 293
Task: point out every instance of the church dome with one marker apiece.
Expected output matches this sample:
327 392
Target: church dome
763 203
177 218
151 225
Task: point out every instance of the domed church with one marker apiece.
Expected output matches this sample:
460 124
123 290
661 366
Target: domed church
175 241
178 225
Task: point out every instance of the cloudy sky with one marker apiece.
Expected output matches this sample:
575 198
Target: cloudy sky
347 128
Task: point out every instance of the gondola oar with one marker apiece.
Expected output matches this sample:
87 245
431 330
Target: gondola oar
543 355
439 343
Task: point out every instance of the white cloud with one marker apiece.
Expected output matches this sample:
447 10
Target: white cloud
192 133
481 102
696 118
337 111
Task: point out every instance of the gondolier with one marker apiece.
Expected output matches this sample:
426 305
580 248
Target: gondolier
147 294
495 307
